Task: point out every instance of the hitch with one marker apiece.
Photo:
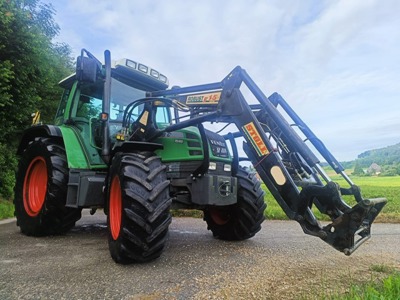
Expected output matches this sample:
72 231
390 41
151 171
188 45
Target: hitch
347 232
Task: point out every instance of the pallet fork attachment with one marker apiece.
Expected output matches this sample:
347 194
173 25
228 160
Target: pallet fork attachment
283 159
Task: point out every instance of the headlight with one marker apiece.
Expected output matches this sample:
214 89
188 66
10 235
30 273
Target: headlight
154 73
163 78
131 64
227 168
143 68
212 166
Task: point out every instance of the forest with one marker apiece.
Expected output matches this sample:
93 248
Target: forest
31 65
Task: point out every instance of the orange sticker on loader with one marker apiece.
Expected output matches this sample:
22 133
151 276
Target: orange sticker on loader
255 138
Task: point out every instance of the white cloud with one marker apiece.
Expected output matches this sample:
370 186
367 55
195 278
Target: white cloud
335 62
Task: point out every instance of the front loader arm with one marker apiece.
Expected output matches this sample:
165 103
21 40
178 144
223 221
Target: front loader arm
285 163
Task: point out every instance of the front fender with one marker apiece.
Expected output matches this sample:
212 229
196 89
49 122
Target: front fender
33 132
76 154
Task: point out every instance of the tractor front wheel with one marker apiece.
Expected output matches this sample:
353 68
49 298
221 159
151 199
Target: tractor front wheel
243 219
138 207
41 190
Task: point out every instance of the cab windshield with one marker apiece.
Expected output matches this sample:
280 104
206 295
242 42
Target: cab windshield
121 96
90 103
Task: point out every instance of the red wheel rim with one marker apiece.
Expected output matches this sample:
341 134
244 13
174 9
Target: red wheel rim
219 217
115 209
35 186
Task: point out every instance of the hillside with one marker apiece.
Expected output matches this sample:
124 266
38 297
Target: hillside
384 156
388 158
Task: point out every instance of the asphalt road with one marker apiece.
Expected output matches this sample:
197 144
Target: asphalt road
279 262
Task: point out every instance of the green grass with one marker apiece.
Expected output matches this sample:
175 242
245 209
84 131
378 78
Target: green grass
371 187
383 283
388 289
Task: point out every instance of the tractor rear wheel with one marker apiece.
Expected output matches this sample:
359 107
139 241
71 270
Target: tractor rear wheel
243 219
138 204
41 190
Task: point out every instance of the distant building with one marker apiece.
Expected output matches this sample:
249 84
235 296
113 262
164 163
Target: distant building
374 169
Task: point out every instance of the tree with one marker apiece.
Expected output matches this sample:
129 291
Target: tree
358 170
30 68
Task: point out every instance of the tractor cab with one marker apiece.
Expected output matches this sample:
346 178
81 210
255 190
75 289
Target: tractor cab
83 103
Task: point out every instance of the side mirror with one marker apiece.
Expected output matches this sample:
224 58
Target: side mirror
87 67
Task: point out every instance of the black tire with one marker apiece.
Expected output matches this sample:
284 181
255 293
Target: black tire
138 205
243 219
41 190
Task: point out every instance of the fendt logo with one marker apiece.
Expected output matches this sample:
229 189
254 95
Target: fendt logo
211 98
255 139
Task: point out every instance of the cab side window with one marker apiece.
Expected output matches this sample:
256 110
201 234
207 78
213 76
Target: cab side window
89 107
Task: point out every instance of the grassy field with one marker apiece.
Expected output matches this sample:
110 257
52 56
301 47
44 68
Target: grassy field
371 187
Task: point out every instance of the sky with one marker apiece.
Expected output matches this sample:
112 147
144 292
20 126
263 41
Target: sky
336 62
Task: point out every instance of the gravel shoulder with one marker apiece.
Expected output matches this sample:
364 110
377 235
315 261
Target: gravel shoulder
280 262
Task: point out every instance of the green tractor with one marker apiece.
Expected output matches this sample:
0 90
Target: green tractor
124 142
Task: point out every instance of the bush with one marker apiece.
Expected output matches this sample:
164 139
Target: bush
6 209
8 166
391 170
